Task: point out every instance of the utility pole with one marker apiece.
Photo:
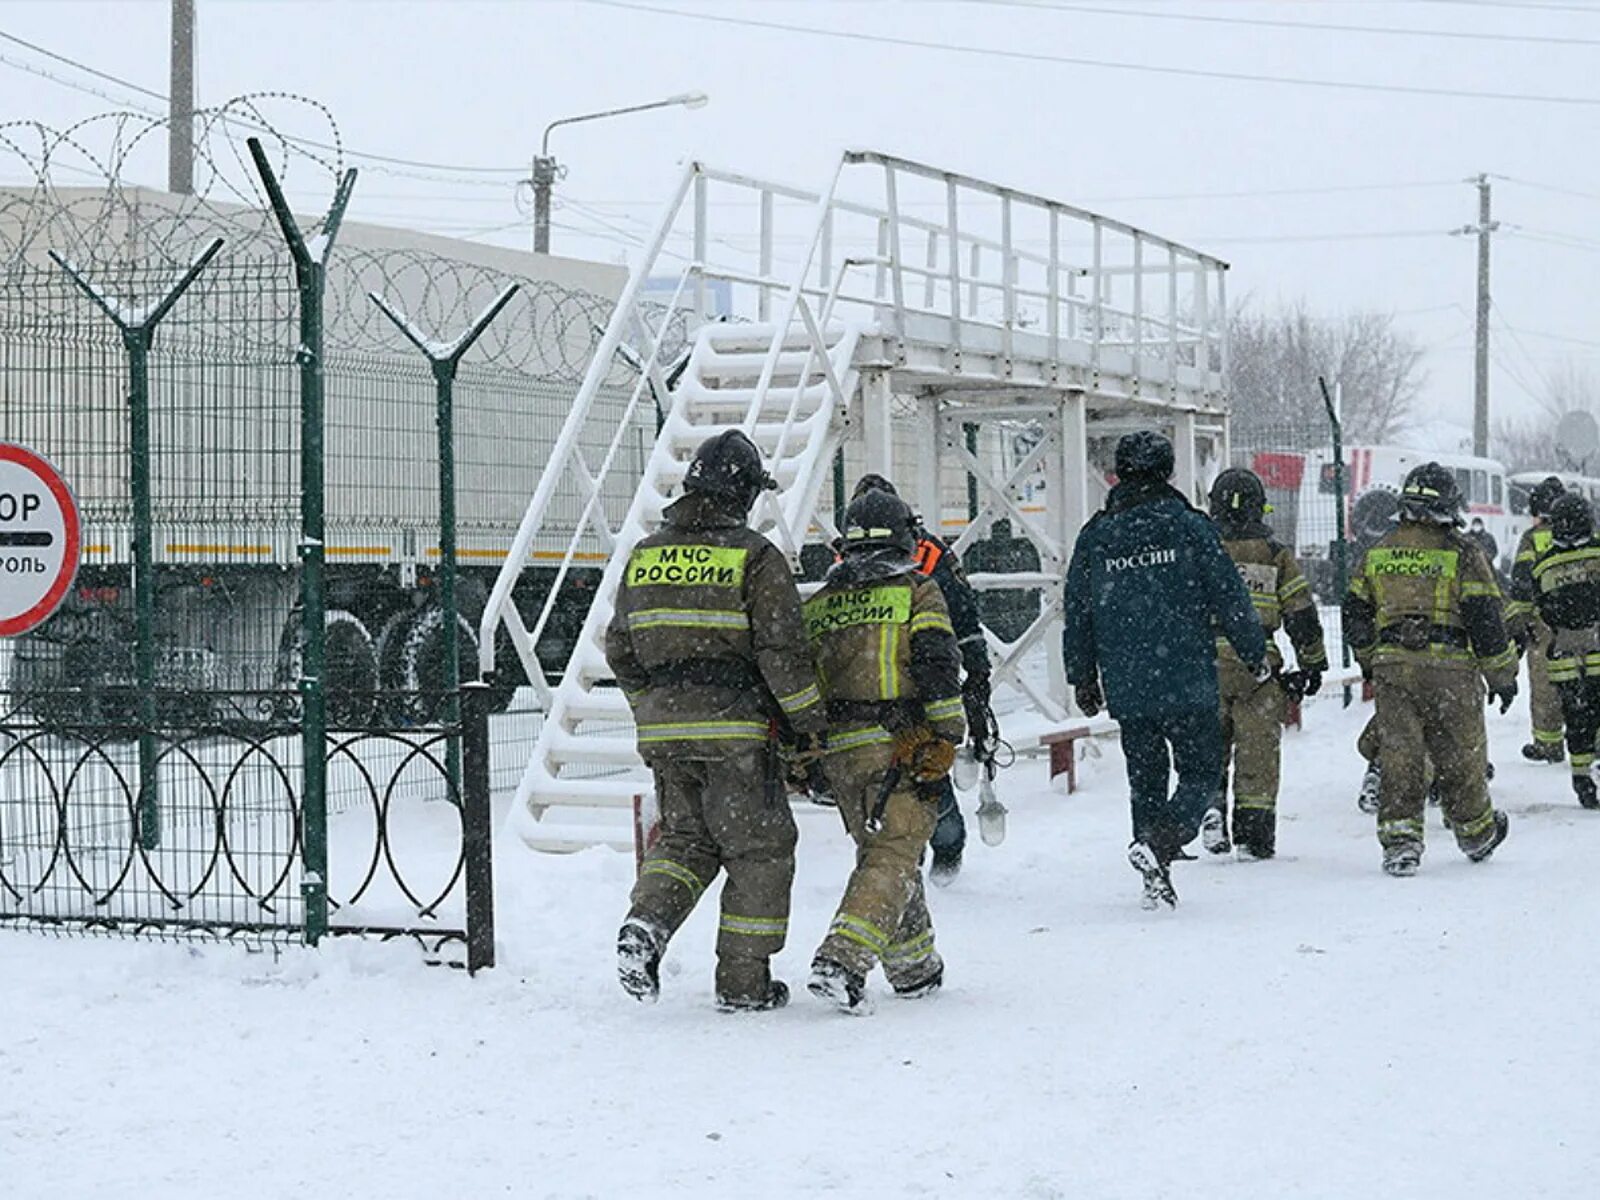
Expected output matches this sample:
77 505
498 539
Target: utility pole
1480 400
180 113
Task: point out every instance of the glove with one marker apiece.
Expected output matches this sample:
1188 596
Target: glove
1504 691
1262 671
1523 637
1090 701
1297 685
802 761
927 756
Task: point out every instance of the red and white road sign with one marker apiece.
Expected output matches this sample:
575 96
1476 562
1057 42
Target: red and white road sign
39 539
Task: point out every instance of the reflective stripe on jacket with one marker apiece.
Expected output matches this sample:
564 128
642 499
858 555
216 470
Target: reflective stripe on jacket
887 641
706 639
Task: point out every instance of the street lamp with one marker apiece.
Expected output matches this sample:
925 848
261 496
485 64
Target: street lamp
546 170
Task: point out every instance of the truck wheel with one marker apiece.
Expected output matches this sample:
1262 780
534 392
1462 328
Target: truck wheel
352 672
422 660
350 681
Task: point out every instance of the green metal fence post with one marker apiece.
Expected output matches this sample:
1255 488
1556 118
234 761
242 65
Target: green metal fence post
138 329
310 272
446 361
1341 565
477 846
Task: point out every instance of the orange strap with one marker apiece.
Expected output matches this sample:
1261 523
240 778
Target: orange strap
928 556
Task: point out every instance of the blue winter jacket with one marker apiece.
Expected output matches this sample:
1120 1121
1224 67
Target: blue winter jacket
1148 591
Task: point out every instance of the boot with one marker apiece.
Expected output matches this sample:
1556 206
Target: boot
1584 786
1401 859
1491 840
946 865
1367 801
1158 889
1255 833
836 983
1214 832
926 986
776 997
639 949
1549 752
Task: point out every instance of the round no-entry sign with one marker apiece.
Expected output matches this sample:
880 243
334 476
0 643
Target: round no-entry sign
39 539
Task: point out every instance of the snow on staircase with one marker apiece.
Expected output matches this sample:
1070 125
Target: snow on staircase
790 396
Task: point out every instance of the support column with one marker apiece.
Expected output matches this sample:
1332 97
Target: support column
921 486
1183 475
877 423
1069 511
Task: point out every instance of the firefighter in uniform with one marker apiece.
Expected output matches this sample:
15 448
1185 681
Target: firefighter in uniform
1566 579
708 644
934 560
1529 631
1423 615
1253 711
891 675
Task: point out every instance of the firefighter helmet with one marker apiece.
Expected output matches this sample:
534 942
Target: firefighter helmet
1431 495
728 466
1543 497
1237 498
1571 520
1144 454
876 520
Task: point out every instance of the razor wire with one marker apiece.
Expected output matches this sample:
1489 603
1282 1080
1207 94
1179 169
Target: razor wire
81 203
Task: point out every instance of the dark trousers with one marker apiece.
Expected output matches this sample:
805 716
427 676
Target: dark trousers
1191 741
950 834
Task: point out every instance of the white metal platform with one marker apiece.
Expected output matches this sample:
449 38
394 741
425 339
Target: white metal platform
874 326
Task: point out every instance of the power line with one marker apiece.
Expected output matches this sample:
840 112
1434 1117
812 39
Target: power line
1107 64
1312 26
1550 187
144 91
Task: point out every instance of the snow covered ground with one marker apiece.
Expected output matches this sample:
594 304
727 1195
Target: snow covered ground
1304 1027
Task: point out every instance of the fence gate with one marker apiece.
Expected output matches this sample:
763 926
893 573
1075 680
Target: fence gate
249 718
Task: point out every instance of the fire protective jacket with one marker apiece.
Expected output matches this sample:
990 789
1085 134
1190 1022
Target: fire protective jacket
1425 595
887 658
706 639
1519 610
1567 583
1280 593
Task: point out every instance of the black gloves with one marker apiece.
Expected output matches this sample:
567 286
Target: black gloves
1090 701
1505 692
1300 684
1523 637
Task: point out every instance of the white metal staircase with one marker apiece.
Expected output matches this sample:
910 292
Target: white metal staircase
982 302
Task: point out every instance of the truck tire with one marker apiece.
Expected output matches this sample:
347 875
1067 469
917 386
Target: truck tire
422 661
350 682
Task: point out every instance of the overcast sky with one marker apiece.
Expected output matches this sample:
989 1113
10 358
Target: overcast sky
1340 197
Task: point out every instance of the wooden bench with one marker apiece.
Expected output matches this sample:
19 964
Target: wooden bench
1063 745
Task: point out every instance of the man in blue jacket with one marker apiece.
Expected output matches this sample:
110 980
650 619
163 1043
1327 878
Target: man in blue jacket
1149 591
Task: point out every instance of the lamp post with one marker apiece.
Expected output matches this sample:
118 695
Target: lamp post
546 170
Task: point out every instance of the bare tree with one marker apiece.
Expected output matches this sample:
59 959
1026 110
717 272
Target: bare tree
1531 444
1275 360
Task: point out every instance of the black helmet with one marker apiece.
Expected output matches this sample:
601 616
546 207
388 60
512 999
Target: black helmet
879 520
1545 493
1237 498
872 483
1145 454
1372 515
728 466
1431 495
1571 520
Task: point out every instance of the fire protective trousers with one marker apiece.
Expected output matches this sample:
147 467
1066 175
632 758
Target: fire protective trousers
726 815
884 914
